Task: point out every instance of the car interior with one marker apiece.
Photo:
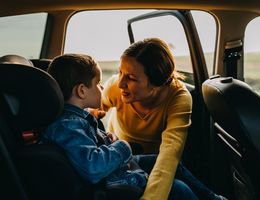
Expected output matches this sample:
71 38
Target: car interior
39 171
236 124
223 144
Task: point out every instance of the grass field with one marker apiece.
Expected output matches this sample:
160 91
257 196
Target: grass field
252 70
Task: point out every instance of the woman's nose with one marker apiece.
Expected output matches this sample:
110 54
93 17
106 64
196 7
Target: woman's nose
121 82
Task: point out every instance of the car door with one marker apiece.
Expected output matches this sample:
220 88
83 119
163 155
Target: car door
193 66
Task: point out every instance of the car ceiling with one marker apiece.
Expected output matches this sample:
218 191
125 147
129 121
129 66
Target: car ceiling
12 7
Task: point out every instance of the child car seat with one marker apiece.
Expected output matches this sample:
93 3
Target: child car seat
31 99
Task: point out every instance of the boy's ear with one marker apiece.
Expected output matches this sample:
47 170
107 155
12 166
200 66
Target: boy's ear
81 91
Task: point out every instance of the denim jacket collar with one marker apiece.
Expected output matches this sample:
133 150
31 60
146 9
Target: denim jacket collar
76 110
82 113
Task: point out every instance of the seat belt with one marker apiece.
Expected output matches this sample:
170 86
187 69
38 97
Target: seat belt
10 184
232 53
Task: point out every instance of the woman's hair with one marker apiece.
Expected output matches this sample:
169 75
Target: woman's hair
157 59
72 69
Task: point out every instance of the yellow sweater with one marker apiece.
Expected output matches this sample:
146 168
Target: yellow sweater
162 131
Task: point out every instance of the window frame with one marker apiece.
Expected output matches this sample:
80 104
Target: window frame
200 72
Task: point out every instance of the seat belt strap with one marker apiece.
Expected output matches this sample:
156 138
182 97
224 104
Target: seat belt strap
232 54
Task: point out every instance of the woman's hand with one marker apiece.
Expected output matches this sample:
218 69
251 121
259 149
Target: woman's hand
113 137
98 114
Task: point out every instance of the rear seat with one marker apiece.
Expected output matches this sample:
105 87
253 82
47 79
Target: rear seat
31 99
41 63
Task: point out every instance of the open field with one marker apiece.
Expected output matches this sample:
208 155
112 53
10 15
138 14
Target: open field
252 70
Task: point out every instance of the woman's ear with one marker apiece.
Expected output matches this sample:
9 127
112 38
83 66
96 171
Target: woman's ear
81 91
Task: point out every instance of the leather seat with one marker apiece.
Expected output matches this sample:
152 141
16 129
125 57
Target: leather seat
235 109
31 99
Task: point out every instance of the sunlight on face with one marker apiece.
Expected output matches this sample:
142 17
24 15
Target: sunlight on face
95 90
133 82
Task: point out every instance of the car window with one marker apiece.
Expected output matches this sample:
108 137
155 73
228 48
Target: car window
252 54
100 34
206 26
103 35
22 34
169 29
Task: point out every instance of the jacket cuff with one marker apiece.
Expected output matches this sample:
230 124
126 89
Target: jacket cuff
124 151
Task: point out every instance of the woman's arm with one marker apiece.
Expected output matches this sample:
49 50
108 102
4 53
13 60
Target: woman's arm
171 148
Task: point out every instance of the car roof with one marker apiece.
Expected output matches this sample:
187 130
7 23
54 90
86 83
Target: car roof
12 7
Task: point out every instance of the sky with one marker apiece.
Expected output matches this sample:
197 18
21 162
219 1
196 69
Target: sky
103 34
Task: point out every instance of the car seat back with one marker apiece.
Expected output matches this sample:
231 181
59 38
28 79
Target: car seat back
41 63
31 98
235 108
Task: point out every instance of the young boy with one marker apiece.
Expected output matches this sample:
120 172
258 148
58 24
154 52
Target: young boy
89 149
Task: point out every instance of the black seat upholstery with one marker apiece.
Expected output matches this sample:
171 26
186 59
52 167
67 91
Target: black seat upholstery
41 63
31 99
235 108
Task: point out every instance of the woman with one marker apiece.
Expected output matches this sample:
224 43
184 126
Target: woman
153 110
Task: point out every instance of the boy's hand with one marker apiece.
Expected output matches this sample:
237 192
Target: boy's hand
112 137
98 114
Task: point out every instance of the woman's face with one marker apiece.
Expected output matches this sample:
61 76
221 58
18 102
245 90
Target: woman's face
133 83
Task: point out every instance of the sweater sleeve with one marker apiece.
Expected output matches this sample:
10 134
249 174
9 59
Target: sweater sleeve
171 148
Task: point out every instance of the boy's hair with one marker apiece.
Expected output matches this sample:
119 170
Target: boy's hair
72 69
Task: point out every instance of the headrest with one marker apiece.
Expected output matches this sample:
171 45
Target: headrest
33 96
41 63
235 107
15 59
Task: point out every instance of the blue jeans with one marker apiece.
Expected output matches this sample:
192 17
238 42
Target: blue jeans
185 185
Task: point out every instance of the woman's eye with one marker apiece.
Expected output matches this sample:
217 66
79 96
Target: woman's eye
132 79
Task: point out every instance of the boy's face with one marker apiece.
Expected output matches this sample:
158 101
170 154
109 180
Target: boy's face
93 99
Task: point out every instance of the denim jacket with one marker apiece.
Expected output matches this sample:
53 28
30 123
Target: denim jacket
90 151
